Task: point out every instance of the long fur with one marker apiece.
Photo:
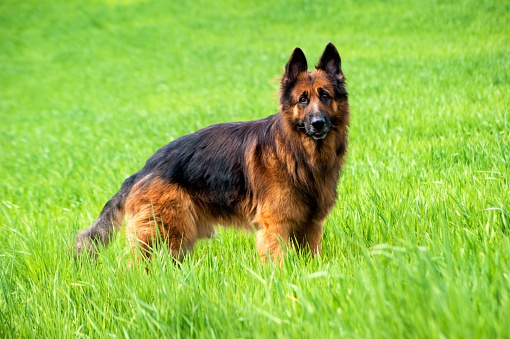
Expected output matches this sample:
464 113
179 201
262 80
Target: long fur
276 175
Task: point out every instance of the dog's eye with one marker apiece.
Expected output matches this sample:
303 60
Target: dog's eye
324 96
303 99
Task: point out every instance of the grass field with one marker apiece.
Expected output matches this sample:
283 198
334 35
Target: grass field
418 245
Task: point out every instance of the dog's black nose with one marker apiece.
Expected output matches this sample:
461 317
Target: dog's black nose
318 123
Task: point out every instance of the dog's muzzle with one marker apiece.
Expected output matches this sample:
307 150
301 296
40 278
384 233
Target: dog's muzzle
318 128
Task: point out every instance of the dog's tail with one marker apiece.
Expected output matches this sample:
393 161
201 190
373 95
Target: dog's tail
104 228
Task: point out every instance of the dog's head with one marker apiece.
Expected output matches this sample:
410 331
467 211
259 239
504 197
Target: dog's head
314 102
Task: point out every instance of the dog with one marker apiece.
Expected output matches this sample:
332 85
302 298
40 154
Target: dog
277 176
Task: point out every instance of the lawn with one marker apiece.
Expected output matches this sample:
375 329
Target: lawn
417 246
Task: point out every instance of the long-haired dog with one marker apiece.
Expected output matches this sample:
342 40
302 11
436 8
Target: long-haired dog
276 175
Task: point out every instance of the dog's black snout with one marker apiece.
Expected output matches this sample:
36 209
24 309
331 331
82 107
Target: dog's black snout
318 123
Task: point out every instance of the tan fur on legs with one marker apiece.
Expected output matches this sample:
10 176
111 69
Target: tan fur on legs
161 210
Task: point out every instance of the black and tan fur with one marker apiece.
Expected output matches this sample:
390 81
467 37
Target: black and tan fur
276 175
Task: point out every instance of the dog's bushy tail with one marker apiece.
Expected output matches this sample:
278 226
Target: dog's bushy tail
104 228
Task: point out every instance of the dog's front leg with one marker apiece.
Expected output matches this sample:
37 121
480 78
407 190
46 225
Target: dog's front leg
272 240
313 237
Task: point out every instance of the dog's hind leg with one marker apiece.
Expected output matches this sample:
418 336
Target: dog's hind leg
144 231
161 212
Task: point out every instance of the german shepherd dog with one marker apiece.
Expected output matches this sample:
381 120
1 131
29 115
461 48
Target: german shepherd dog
276 175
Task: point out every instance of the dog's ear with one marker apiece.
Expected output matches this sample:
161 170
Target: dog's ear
295 65
330 61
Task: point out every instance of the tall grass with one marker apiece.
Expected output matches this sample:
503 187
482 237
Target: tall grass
417 245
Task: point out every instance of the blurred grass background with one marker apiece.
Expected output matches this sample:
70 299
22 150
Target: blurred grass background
417 245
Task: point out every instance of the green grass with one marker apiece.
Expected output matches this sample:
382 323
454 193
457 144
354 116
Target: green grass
417 246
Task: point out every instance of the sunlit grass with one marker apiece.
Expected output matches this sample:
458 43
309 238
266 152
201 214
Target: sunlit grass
417 245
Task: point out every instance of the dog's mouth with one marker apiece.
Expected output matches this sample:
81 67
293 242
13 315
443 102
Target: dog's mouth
318 135
312 132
